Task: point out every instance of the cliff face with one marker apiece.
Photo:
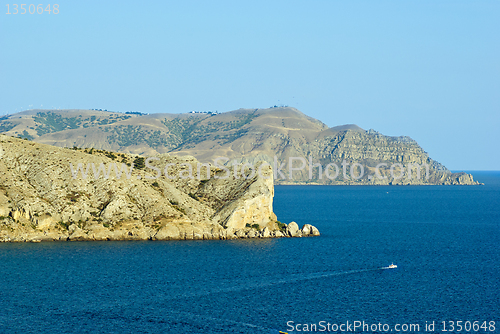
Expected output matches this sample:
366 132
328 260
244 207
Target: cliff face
245 135
360 157
241 201
45 196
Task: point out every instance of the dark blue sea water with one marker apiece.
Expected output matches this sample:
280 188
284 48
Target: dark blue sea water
444 239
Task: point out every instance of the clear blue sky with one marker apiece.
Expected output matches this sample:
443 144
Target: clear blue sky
426 69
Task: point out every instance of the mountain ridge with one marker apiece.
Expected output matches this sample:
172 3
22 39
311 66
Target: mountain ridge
243 135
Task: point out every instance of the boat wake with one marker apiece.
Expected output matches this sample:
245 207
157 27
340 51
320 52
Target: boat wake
223 322
238 288
293 278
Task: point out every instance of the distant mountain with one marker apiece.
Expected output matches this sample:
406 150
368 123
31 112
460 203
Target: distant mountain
274 135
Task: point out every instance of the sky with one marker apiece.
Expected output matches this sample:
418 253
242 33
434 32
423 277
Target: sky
425 69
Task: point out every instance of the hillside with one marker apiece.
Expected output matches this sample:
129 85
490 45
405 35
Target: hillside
244 135
45 196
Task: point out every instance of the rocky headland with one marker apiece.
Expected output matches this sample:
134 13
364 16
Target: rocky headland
51 193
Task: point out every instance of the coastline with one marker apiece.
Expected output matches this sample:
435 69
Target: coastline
143 232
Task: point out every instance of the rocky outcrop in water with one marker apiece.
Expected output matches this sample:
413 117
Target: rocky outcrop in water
52 193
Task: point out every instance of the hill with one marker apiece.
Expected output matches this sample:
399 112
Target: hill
52 193
281 136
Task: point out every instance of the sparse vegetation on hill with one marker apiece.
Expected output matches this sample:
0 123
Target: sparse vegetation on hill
50 122
194 130
6 126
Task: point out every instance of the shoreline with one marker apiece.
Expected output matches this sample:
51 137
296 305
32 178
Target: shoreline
165 233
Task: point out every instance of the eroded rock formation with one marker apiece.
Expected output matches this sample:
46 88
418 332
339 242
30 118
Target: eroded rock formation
52 193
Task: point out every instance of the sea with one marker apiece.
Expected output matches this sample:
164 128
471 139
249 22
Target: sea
445 241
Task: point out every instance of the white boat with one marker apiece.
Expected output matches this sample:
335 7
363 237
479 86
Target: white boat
392 266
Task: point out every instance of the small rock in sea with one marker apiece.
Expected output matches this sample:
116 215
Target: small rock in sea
292 229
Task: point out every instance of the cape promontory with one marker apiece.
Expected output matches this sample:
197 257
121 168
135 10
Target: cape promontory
54 193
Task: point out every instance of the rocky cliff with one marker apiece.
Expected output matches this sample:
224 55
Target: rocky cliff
357 157
53 193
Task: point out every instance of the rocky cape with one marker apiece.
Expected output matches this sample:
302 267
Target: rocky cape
244 135
45 196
